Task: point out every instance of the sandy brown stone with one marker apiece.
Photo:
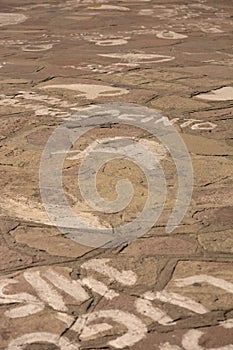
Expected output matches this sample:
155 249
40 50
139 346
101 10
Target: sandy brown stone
177 103
12 258
212 170
217 241
202 146
218 197
160 246
164 55
144 269
49 240
45 323
215 219
212 297
10 125
209 337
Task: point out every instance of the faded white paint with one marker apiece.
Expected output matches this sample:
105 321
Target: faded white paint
129 148
191 339
26 310
39 47
138 57
89 91
203 126
146 12
146 308
23 208
168 346
228 324
67 319
177 299
222 94
33 305
109 7
90 332
71 287
194 124
110 42
170 35
127 278
99 288
61 342
210 29
217 282
45 291
136 328
11 18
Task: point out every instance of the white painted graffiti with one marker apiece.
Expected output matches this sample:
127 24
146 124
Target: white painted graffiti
194 124
45 104
51 286
89 91
190 341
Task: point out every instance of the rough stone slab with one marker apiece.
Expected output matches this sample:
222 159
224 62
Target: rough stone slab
178 103
217 241
209 283
160 246
209 337
49 240
12 258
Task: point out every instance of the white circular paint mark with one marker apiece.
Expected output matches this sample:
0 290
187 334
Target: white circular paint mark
111 42
146 12
203 126
41 47
169 35
109 7
138 57
211 30
11 18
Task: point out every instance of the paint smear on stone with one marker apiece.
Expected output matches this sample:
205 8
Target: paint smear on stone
127 278
89 91
217 282
117 146
42 47
177 299
62 343
138 57
146 308
99 288
11 18
222 94
109 7
136 330
170 35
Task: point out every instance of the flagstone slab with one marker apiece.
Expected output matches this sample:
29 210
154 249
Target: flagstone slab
212 337
160 246
49 240
178 103
13 258
209 283
217 242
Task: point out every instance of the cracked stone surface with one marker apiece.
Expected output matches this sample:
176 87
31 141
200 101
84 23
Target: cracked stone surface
161 291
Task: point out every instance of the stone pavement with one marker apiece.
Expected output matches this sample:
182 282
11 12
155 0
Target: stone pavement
161 291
